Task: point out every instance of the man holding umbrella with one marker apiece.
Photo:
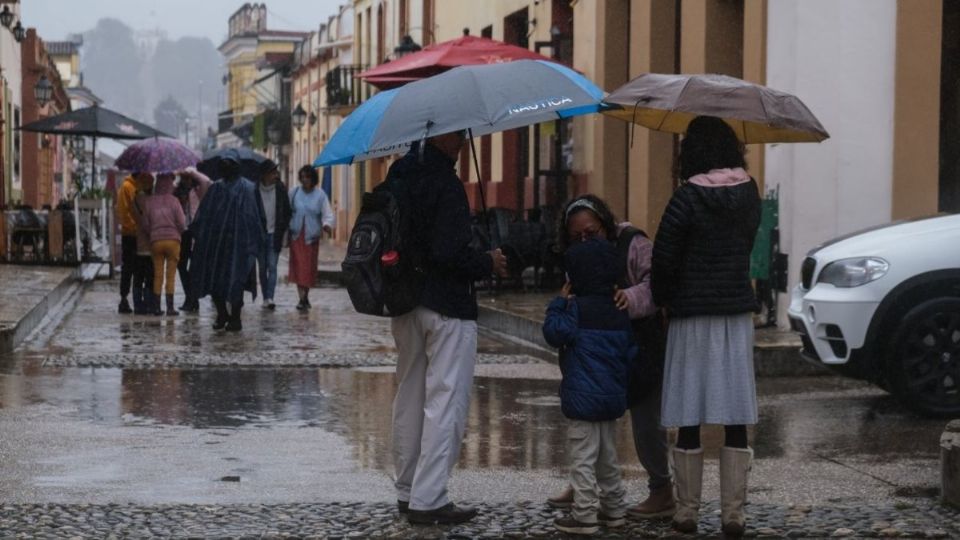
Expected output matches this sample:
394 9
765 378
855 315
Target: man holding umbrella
437 341
229 234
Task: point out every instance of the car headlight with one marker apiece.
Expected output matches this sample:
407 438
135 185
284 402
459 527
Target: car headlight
853 272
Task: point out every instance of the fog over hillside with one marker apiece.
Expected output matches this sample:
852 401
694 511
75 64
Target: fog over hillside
133 71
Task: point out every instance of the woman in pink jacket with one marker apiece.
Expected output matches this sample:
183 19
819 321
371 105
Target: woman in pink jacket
164 221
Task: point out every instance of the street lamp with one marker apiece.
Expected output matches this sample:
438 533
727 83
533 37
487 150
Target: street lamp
407 46
6 16
43 90
19 33
298 116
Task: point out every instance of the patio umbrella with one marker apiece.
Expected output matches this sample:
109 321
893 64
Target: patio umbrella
157 155
93 122
482 99
758 114
440 57
250 163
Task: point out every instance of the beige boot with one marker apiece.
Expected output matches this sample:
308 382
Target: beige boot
734 465
688 479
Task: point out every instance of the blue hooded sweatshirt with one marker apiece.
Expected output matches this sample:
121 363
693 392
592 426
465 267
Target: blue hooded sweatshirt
594 337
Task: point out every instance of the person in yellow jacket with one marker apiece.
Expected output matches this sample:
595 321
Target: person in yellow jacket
128 233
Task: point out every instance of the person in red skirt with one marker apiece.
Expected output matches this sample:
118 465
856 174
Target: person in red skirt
312 216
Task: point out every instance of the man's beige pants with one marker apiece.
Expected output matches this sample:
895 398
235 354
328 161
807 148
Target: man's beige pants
594 467
435 362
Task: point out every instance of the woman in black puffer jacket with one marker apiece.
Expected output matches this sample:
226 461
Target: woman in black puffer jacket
700 274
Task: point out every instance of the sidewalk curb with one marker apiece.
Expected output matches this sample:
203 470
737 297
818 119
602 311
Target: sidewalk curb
11 335
769 360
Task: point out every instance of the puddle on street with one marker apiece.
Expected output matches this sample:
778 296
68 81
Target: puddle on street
513 422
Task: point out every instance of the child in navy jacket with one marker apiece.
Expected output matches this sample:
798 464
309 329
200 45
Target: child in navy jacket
596 345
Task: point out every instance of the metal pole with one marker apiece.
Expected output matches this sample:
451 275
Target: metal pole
76 224
200 116
483 200
93 164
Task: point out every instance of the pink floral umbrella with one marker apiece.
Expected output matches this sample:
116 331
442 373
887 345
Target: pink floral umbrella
157 155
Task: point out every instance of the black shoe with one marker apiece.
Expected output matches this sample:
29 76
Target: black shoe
570 525
403 506
303 306
124 306
233 323
222 316
450 514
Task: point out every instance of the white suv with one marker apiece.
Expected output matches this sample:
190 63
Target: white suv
884 305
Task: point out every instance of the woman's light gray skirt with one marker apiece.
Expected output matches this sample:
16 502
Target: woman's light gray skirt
708 376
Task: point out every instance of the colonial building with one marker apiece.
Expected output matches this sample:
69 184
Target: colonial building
252 53
11 87
43 156
323 84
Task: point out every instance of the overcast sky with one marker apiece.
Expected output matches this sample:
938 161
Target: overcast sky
55 19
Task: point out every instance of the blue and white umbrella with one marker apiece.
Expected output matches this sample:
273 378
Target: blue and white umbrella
482 98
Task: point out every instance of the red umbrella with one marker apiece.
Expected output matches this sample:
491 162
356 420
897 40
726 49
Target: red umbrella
440 57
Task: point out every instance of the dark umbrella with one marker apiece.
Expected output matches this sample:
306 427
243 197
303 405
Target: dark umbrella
251 163
94 122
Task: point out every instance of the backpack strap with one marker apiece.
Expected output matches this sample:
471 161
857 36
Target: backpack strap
624 239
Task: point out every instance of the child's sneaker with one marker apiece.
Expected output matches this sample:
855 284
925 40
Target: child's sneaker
611 522
570 525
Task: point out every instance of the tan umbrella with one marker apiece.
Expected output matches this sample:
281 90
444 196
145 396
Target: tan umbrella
668 102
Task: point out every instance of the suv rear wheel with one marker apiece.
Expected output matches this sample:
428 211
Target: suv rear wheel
923 369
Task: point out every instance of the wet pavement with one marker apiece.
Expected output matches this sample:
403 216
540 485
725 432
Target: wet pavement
141 425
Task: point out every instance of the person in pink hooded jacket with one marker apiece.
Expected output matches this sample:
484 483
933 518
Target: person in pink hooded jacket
164 221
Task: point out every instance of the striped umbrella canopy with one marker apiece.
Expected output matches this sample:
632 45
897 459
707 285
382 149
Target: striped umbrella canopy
481 98
157 155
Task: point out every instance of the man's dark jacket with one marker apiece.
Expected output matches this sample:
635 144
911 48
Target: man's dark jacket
441 224
701 256
283 214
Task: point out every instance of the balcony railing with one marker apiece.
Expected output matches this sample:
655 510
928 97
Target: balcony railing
343 88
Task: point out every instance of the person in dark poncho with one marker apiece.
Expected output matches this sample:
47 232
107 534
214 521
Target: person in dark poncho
229 234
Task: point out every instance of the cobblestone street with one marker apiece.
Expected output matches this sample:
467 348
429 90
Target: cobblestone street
140 426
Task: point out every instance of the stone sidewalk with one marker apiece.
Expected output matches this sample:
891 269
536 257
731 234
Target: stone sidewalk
27 294
380 520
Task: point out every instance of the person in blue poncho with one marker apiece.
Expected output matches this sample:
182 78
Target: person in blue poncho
229 233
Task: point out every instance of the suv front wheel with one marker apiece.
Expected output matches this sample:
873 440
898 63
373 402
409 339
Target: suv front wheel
923 369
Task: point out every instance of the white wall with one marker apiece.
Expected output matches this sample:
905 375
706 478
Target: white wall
838 57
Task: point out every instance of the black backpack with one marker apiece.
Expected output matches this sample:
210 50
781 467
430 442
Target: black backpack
646 370
383 269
